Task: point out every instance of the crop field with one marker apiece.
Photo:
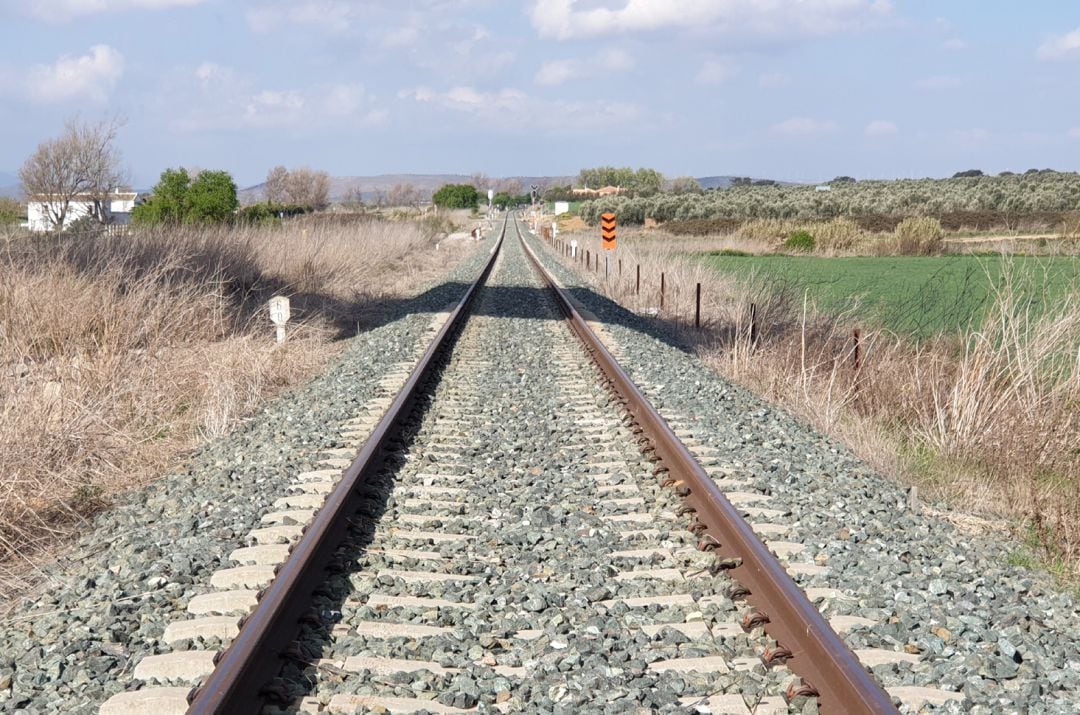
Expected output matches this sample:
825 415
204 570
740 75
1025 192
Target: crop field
918 296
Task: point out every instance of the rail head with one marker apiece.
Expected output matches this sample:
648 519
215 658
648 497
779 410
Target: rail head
817 654
252 659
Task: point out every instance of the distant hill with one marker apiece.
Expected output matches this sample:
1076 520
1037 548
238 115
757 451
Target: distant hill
715 182
10 185
427 184
723 182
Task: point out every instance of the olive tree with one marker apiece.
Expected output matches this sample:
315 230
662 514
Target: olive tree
82 163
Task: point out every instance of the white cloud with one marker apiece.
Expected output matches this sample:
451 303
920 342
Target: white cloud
611 61
717 70
439 41
217 97
616 60
401 38
938 84
955 43
567 19
772 80
880 128
556 72
331 16
209 73
1061 47
804 127
65 10
513 110
91 76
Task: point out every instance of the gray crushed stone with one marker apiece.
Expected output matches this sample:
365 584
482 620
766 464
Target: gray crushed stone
106 602
1005 636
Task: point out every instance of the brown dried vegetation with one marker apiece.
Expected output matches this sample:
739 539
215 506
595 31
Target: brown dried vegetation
117 354
988 419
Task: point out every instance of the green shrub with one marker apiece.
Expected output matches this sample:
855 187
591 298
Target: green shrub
11 211
919 236
456 196
800 241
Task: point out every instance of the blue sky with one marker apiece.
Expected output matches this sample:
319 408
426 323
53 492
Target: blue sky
789 89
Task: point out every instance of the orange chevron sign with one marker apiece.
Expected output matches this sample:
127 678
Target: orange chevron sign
607 231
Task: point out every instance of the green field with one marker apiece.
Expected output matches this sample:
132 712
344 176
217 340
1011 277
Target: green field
917 296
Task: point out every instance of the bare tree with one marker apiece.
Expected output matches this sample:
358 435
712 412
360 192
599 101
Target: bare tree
510 186
81 163
275 186
404 195
309 188
354 196
480 181
300 187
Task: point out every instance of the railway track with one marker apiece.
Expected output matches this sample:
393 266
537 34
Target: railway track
520 532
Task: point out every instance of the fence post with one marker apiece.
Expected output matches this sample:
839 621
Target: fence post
637 285
697 307
858 361
753 324
620 268
661 290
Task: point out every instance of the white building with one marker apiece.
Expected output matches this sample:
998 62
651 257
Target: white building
115 209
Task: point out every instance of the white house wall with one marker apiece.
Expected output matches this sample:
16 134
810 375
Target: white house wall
37 215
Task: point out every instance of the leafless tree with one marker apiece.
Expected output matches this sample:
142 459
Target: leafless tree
300 187
480 182
404 195
510 186
685 185
354 196
275 186
306 187
81 163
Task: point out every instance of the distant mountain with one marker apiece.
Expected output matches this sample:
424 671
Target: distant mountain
10 185
715 182
723 182
427 184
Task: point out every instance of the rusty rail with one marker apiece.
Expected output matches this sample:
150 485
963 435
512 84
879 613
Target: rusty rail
253 659
806 642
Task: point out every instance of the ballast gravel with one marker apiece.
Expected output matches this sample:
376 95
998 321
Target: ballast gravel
106 602
1004 636
524 608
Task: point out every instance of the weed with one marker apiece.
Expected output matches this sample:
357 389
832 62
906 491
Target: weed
800 241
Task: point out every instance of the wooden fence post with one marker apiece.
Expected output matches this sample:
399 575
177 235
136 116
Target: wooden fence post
697 307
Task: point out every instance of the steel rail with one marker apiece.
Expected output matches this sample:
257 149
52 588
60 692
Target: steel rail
808 644
253 658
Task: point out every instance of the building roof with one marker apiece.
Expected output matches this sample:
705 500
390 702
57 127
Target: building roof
114 195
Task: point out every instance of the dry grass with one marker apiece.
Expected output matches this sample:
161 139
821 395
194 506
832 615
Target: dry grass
117 354
989 419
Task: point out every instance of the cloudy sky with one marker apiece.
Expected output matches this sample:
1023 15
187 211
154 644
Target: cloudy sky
790 89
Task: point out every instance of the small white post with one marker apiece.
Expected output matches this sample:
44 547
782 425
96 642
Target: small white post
279 315
573 248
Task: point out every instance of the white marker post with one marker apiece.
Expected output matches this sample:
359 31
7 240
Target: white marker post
279 315
573 248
